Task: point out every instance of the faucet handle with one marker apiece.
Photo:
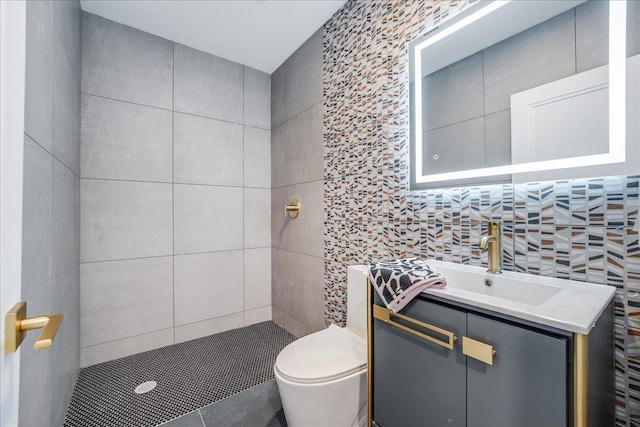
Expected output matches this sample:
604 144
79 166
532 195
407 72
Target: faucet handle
494 229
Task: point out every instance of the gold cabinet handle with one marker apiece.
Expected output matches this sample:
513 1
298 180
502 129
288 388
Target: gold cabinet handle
292 208
17 324
386 315
478 350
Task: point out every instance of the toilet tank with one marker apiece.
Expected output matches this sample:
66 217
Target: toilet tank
357 299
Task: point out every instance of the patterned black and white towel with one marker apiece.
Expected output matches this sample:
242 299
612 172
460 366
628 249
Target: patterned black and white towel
398 281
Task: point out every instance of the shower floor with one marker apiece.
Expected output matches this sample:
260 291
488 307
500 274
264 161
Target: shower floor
189 376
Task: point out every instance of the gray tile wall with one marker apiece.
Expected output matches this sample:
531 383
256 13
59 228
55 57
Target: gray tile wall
297 162
175 194
51 208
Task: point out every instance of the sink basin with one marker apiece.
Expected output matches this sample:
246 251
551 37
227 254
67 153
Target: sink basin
517 289
564 304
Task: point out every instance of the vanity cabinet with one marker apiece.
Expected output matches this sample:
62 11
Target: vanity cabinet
525 386
433 365
415 379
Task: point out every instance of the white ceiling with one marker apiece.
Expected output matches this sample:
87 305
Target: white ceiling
261 34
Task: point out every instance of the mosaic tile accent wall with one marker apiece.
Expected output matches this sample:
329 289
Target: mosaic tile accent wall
576 229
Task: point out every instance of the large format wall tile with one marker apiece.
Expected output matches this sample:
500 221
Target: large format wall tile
36 223
67 18
298 291
207 151
207 85
278 103
65 283
122 299
541 55
455 147
257 217
125 220
257 278
297 153
65 353
65 249
50 228
257 98
125 347
124 63
165 162
207 218
303 234
208 285
592 35
257 157
633 28
37 102
65 111
121 140
207 327
257 315
297 149
301 80
454 93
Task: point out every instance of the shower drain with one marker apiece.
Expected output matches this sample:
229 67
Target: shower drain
146 387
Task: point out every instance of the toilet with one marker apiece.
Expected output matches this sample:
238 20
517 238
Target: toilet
322 377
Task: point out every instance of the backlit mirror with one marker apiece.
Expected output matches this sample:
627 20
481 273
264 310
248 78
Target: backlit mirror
518 91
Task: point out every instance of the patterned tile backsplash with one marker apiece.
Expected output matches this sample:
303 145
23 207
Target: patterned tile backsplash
575 229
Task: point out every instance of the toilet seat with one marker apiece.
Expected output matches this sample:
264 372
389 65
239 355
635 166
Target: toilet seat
323 356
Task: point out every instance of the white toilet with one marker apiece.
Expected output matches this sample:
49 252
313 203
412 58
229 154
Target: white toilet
322 377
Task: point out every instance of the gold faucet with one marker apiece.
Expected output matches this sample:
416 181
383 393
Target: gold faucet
492 243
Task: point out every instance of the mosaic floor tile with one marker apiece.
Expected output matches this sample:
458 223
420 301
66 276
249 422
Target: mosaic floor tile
189 375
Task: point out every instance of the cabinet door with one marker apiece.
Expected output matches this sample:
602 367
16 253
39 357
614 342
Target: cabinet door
417 382
527 383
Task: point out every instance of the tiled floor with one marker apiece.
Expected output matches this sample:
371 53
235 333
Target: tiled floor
190 376
259 406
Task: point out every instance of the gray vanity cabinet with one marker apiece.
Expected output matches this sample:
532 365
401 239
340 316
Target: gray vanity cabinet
417 382
525 386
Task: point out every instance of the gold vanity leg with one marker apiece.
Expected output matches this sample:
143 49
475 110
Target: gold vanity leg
369 357
580 377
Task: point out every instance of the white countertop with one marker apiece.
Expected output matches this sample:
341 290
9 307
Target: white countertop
573 306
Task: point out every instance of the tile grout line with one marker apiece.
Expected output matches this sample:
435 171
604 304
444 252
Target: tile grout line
173 328
244 207
172 110
173 189
320 102
52 155
126 338
177 255
164 182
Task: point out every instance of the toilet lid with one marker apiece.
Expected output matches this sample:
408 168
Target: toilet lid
323 356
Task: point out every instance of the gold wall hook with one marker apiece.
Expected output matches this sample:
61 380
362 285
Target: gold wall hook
292 208
17 324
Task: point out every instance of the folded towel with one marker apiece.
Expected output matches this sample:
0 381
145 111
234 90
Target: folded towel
398 281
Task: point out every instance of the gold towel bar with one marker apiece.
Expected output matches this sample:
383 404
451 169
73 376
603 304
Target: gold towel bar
386 315
17 324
